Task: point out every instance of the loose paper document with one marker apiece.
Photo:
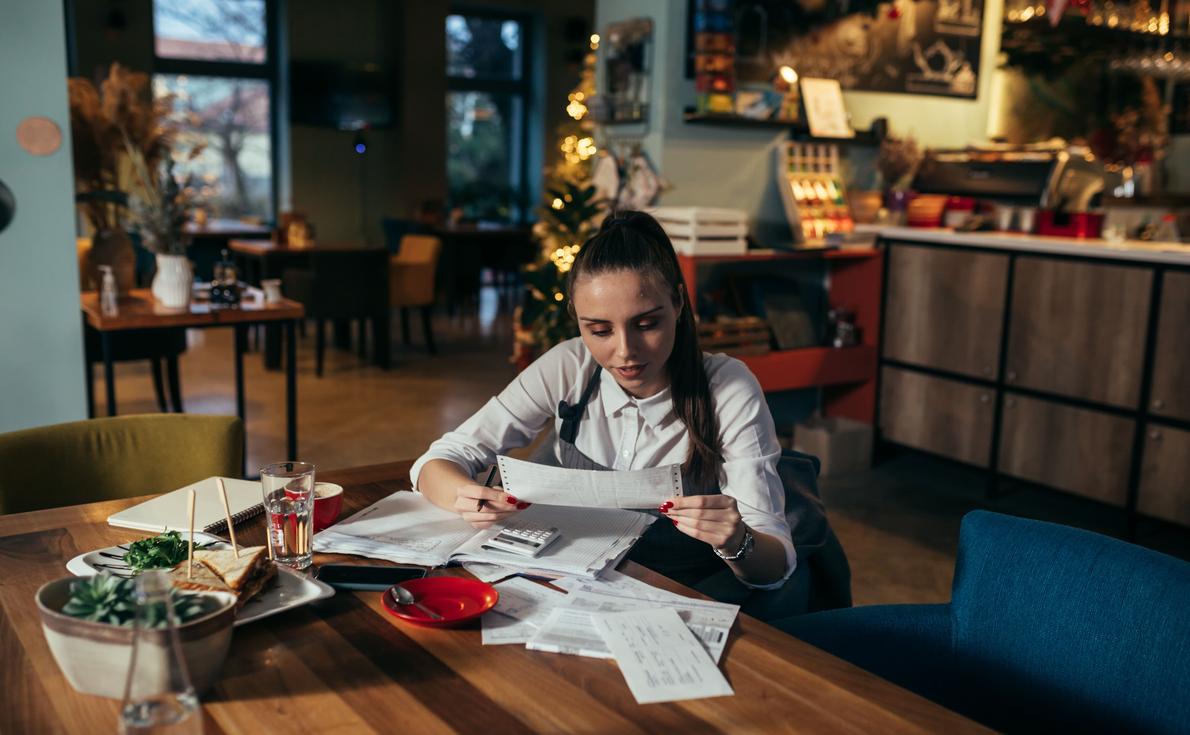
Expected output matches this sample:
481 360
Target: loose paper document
406 527
522 608
659 657
590 539
709 621
571 631
538 483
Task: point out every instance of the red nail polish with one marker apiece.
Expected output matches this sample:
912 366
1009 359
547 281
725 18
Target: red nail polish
666 506
522 506
675 520
512 500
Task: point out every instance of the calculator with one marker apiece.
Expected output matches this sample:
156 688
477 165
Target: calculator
522 540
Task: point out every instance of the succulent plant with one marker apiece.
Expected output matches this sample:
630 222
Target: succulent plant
105 598
102 599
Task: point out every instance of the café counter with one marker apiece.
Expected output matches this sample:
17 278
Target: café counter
1055 361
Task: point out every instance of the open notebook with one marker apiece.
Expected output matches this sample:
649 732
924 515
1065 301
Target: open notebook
407 528
168 512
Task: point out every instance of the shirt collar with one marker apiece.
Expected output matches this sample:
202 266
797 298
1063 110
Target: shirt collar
654 409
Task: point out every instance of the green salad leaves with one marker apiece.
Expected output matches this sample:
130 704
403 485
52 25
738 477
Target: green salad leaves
160 552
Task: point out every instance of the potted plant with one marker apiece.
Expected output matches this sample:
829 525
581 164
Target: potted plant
104 124
88 623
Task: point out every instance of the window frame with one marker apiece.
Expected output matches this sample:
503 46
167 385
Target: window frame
268 71
523 88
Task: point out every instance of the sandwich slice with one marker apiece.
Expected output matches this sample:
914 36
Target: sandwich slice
246 576
200 579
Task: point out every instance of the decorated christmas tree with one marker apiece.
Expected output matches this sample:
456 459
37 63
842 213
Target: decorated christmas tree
569 215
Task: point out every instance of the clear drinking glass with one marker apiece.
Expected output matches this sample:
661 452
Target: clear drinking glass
288 489
158 697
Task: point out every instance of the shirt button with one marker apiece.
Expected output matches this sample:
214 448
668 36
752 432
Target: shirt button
626 453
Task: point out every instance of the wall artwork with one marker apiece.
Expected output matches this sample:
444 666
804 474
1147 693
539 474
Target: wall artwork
626 55
927 47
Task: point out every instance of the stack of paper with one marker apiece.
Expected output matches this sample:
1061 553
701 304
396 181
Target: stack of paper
621 618
406 528
564 623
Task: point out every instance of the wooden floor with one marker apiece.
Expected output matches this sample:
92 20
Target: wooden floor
899 523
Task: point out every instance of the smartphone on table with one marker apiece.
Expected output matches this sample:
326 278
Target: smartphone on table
366 576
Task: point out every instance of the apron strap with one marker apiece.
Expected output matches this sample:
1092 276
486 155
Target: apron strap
572 414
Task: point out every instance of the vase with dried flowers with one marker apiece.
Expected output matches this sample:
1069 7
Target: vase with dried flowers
157 209
104 124
897 161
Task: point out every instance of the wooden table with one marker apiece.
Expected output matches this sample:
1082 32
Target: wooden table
261 258
138 310
345 665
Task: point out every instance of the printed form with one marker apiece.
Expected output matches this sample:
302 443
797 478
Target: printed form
522 609
660 658
569 629
633 489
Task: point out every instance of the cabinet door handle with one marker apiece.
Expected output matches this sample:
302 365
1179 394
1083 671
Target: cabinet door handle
1158 404
1155 435
985 398
987 370
1009 402
1010 375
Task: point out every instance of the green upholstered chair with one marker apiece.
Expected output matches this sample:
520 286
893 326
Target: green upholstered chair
119 457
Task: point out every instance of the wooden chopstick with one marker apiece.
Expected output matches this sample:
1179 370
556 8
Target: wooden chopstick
190 546
231 529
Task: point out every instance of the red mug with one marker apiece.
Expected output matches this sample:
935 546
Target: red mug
328 504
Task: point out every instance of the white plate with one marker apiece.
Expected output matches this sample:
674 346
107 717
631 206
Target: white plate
292 589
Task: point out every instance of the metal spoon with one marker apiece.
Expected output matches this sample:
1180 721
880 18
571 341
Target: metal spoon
405 597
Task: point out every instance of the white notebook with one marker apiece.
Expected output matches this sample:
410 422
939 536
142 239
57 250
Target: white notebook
168 512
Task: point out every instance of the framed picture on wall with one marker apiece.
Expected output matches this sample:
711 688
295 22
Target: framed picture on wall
627 70
930 47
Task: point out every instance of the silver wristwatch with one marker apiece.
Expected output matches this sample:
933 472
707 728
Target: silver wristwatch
745 549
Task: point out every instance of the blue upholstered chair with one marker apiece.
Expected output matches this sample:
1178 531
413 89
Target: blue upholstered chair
1049 628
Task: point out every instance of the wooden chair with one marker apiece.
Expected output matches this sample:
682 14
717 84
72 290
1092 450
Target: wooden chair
340 286
411 282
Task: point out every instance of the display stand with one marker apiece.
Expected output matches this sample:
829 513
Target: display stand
810 180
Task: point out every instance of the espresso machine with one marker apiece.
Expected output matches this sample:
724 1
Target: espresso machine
1062 183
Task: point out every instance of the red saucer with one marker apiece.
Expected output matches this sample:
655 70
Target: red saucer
454 598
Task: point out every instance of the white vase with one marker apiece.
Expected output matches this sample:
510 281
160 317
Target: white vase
172 283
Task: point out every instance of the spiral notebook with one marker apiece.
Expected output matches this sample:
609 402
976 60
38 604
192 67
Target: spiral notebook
168 512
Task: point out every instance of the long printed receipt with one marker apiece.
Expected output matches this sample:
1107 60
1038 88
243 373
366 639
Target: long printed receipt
659 657
629 489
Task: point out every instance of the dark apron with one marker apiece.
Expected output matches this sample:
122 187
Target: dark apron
684 559
663 548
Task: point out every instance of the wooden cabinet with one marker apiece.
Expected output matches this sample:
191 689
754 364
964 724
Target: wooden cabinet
1170 392
945 309
1078 329
943 416
1165 475
1074 449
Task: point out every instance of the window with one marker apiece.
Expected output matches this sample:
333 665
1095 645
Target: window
214 58
486 104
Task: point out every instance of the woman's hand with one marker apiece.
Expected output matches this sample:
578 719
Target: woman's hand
710 518
482 506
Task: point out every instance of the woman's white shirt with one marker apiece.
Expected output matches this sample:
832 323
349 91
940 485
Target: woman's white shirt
626 433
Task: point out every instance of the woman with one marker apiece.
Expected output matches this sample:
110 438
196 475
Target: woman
635 391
